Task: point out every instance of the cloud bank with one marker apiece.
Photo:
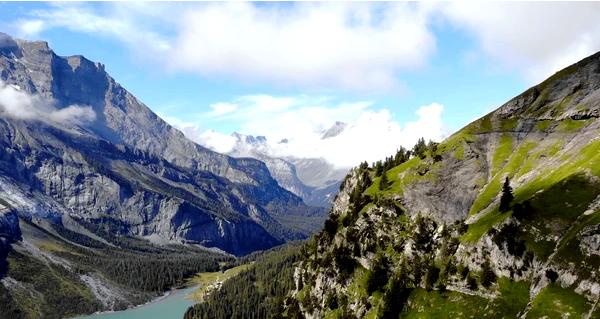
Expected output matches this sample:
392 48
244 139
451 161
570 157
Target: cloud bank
370 134
356 46
20 105
349 46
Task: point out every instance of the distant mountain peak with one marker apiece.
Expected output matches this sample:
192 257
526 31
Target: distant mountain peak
335 130
249 139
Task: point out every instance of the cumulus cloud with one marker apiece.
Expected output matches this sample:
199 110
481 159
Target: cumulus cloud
18 104
336 45
356 46
364 46
537 38
370 134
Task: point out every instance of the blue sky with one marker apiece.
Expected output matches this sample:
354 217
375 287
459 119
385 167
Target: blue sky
246 67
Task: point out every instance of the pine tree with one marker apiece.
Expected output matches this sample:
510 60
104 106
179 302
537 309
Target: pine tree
420 148
378 168
507 196
383 182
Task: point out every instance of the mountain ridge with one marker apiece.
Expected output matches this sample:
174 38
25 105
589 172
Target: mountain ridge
123 125
431 239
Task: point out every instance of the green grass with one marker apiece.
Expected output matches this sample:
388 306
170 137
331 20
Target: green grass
483 225
562 105
570 125
543 125
459 153
502 152
514 295
398 177
485 124
542 248
586 159
206 279
450 304
582 107
490 191
456 142
512 299
564 201
533 160
556 302
493 187
358 284
509 124
536 108
333 314
558 75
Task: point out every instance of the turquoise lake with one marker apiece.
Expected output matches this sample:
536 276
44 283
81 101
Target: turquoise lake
170 307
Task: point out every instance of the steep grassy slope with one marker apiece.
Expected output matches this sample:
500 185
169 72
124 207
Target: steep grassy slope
432 242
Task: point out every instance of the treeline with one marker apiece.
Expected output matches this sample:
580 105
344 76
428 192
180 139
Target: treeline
258 292
146 271
151 272
138 264
421 149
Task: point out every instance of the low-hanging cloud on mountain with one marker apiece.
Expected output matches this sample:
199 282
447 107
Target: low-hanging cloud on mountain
17 104
369 134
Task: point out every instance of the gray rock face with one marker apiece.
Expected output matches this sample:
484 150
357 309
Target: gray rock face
127 165
9 231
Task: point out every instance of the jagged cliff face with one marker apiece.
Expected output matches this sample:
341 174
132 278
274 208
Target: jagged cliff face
125 165
435 243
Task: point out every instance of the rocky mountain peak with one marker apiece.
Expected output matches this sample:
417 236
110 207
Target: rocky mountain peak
337 128
249 139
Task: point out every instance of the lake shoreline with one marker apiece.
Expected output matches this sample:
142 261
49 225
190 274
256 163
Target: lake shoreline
171 293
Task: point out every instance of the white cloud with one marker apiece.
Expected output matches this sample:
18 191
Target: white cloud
18 104
535 38
356 46
216 141
333 45
370 135
120 21
365 46
28 28
222 108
